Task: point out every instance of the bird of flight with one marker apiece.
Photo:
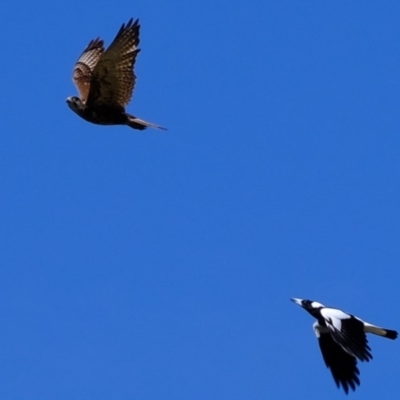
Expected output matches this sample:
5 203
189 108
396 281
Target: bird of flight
105 80
342 340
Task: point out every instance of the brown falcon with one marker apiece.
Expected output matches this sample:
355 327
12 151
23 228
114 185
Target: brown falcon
105 80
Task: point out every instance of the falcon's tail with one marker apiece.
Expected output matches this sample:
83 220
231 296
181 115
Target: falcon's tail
137 123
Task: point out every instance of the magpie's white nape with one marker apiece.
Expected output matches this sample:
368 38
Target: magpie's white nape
342 340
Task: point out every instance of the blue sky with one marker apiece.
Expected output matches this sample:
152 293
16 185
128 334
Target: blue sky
159 265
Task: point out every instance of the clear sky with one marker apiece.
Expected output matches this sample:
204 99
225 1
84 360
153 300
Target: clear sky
159 265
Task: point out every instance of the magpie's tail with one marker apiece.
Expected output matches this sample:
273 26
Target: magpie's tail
391 334
387 333
137 123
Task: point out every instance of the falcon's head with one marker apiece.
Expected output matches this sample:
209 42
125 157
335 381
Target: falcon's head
75 104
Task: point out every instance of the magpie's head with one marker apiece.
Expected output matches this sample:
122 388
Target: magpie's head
311 306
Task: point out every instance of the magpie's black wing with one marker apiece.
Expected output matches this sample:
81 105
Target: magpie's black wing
348 332
343 366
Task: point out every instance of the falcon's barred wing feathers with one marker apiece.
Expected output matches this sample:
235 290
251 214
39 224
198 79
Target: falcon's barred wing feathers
85 65
113 79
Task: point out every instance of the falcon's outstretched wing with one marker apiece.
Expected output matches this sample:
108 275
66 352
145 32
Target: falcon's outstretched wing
113 79
84 67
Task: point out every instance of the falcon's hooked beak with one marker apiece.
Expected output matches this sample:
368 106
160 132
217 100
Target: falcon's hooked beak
69 101
74 103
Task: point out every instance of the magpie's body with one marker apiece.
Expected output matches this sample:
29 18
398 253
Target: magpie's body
342 340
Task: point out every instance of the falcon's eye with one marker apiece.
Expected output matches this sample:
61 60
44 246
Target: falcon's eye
76 100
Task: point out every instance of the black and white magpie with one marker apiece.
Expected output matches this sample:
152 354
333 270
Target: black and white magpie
342 341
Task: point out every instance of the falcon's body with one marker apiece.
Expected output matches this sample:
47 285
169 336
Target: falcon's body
342 340
105 115
105 80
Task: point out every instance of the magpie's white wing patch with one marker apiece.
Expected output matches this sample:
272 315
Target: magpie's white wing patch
348 332
335 315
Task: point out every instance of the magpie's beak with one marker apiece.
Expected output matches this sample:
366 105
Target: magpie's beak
297 301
